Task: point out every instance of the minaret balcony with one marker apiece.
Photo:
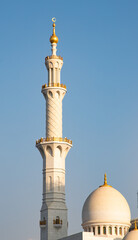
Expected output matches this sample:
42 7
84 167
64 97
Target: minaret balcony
57 223
43 224
53 139
53 85
53 57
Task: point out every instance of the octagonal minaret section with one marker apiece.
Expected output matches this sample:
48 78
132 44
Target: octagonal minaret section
53 148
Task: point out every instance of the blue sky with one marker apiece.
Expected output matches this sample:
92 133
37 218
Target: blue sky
98 40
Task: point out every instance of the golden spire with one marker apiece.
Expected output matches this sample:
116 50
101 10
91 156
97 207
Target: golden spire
135 225
54 38
105 182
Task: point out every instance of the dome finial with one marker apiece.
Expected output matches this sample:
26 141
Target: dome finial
54 38
135 225
105 179
105 182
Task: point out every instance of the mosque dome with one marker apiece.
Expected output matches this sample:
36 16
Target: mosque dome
132 235
106 206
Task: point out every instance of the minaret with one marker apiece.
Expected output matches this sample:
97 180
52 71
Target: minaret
53 149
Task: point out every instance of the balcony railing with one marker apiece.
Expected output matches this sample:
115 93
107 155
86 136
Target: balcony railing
54 85
43 223
57 223
56 139
54 57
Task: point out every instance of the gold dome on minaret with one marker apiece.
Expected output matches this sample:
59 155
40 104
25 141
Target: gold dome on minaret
54 38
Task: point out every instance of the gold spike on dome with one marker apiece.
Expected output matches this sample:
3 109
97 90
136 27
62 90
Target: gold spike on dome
54 38
135 225
105 182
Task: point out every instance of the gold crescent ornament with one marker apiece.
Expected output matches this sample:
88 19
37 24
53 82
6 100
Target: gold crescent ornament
54 19
54 38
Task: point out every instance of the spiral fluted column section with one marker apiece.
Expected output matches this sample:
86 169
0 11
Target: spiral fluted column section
54 97
53 116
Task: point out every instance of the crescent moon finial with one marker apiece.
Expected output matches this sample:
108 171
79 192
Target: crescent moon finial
54 38
53 19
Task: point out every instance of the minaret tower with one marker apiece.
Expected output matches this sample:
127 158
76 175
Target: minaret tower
53 149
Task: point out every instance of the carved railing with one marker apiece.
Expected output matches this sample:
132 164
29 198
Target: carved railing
57 139
43 223
54 57
54 85
57 222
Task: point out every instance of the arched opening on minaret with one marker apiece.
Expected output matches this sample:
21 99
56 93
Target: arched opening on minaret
57 94
58 183
59 151
49 150
50 183
50 94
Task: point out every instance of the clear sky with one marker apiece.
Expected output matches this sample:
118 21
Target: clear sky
98 40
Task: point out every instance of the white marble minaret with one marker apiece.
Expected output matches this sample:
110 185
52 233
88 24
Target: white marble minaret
53 149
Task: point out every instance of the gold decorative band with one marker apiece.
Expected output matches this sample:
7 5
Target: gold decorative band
54 57
58 139
54 85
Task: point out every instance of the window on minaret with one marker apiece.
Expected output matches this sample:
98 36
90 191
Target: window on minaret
50 183
98 230
116 230
58 183
57 220
104 230
52 75
56 73
110 230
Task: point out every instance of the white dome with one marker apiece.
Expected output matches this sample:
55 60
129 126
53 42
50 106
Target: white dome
133 235
106 205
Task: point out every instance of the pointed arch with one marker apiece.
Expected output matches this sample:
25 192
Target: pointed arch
58 183
50 183
49 150
59 150
50 94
